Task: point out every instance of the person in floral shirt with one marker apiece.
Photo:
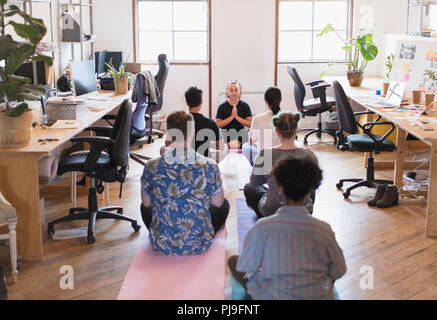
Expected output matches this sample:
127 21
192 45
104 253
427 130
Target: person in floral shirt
183 203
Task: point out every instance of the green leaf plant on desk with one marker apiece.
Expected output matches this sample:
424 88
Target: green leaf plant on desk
121 77
15 115
360 50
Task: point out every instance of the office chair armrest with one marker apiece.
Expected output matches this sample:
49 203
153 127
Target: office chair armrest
110 117
94 141
319 91
363 112
371 124
314 83
101 131
98 144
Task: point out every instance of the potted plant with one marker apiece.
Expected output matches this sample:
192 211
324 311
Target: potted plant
15 115
121 77
360 50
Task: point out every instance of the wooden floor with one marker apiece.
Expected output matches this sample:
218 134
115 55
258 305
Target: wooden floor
391 241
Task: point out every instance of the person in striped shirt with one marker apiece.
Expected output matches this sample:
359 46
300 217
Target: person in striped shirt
291 254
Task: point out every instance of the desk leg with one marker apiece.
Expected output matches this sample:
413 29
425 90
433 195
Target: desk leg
401 141
19 184
431 206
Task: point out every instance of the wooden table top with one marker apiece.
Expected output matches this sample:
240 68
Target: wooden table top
88 113
402 117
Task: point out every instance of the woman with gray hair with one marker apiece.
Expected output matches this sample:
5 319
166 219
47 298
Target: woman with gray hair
234 115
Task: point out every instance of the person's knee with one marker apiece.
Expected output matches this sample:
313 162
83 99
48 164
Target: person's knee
247 190
232 262
226 206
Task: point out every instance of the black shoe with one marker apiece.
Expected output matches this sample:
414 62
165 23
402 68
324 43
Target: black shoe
390 198
378 195
3 286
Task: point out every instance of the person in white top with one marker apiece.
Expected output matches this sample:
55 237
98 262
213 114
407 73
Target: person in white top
262 133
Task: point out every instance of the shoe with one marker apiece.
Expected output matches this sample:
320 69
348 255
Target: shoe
390 198
3 286
378 195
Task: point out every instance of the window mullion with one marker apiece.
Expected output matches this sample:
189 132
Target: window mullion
312 34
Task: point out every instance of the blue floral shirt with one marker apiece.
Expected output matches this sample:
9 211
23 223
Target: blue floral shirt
180 187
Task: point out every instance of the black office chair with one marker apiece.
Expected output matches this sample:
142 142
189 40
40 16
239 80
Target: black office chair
365 142
312 107
144 110
101 166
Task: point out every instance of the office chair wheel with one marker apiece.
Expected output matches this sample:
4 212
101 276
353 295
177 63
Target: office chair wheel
346 195
91 239
295 137
160 135
339 185
140 146
135 226
50 230
100 189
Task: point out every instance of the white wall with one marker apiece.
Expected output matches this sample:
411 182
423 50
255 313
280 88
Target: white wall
243 47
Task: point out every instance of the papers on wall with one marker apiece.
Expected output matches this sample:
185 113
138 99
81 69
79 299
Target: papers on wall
412 58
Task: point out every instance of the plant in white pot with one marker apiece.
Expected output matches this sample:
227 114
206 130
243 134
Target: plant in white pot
15 115
360 50
121 77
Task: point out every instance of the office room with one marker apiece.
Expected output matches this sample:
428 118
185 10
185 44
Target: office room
148 147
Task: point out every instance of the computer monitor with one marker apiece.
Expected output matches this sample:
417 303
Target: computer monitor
117 58
84 78
100 59
26 70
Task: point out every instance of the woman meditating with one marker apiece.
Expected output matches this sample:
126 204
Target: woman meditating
265 201
234 115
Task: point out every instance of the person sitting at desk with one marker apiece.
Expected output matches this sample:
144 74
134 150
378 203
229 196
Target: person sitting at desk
183 203
261 134
208 139
234 115
290 255
265 201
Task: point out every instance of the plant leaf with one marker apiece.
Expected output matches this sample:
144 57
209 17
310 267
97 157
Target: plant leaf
367 48
28 31
40 57
17 111
326 30
18 56
7 46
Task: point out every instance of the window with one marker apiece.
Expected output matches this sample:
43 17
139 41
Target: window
178 28
299 23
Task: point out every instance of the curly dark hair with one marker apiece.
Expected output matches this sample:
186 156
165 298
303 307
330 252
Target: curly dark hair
297 177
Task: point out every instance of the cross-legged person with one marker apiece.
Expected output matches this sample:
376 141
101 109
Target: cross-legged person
183 203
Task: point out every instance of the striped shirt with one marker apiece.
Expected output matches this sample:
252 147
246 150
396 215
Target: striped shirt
291 255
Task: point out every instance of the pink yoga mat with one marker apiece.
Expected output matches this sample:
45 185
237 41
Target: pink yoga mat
155 276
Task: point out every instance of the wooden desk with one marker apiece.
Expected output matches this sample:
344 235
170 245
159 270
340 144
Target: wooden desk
404 122
19 172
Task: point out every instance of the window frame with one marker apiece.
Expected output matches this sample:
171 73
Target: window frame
136 32
314 32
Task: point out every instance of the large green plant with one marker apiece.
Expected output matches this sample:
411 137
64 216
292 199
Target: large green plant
360 50
13 53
